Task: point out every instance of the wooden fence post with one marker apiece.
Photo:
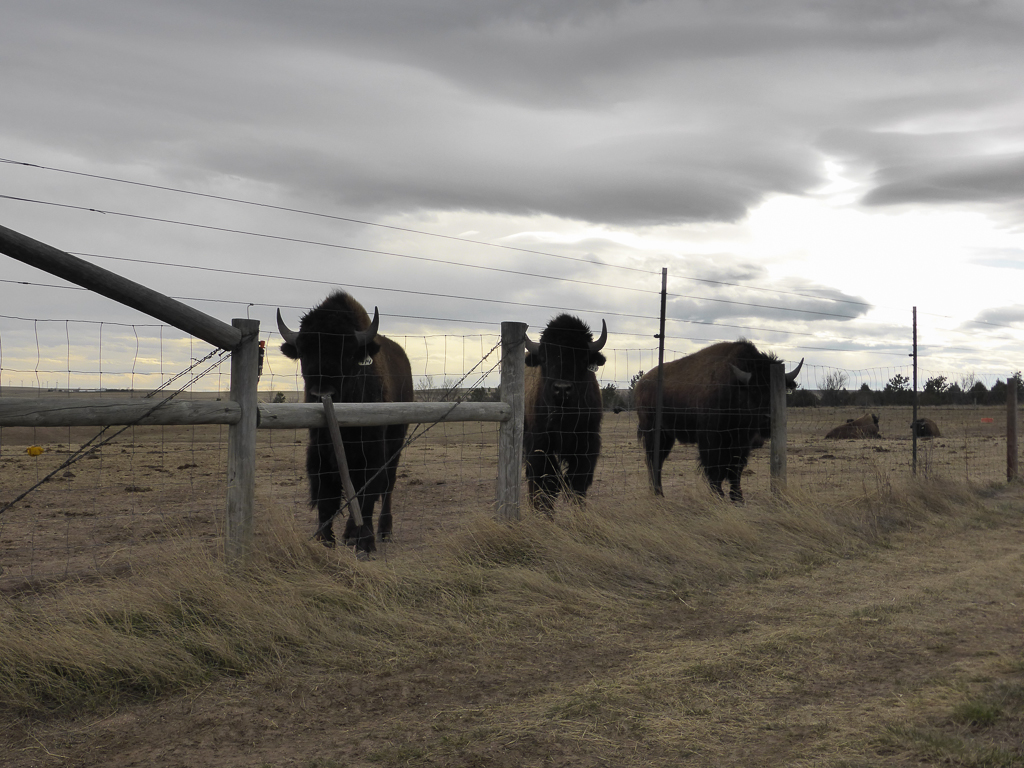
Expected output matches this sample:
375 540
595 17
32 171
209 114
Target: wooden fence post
238 534
777 461
510 433
1011 429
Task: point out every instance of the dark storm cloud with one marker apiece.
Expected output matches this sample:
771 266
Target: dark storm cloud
618 112
992 179
797 304
510 118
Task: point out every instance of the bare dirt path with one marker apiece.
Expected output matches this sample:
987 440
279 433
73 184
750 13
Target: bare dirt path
852 662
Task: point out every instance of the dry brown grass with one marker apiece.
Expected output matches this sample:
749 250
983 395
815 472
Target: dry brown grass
862 618
801 630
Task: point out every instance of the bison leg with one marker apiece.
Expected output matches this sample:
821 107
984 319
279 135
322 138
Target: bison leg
396 441
325 495
384 521
326 509
735 472
580 472
544 479
654 464
361 537
721 464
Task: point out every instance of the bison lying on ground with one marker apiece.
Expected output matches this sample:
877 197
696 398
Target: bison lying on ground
853 429
926 428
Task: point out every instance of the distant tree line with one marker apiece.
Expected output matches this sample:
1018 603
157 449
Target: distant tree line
937 390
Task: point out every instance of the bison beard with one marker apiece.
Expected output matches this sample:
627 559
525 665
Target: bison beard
342 355
562 430
717 398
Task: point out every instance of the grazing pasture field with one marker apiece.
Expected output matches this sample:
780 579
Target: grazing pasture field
864 618
151 485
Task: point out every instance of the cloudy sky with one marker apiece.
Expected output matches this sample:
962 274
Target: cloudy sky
807 172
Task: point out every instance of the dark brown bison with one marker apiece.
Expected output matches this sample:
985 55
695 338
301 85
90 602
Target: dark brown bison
854 429
926 428
342 355
562 434
717 398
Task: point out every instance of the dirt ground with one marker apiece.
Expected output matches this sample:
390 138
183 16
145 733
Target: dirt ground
941 604
122 499
946 609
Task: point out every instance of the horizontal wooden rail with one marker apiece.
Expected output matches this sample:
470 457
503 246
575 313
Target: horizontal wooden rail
97 412
292 415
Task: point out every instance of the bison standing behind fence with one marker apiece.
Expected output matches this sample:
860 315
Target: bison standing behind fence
342 355
717 398
563 410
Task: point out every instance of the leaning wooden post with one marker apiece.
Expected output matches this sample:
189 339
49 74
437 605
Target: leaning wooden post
510 433
339 454
1011 429
242 442
777 462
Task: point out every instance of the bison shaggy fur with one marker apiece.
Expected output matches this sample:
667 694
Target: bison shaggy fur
562 429
341 355
855 429
718 398
926 428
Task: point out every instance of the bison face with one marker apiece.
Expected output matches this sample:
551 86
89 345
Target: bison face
753 398
567 357
566 371
751 393
750 397
331 362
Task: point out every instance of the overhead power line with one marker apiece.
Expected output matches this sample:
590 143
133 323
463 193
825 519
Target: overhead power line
335 217
377 252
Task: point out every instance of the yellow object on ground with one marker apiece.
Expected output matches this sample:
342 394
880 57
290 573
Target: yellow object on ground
33 450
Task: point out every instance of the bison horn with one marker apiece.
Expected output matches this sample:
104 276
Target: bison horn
287 333
365 337
531 346
742 377
596 346
791 376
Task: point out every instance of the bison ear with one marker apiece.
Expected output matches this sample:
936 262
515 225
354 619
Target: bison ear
289 350
533 359
596 361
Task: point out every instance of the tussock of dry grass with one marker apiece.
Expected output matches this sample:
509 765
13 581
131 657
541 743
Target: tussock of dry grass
188 619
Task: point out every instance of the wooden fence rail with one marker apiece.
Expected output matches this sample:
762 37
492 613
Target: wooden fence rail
241 412
95 412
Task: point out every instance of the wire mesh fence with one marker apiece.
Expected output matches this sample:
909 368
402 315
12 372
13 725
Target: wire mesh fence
151 486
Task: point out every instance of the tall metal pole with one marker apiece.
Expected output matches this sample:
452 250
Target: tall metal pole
913 419
777 457
660 393
1011 429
